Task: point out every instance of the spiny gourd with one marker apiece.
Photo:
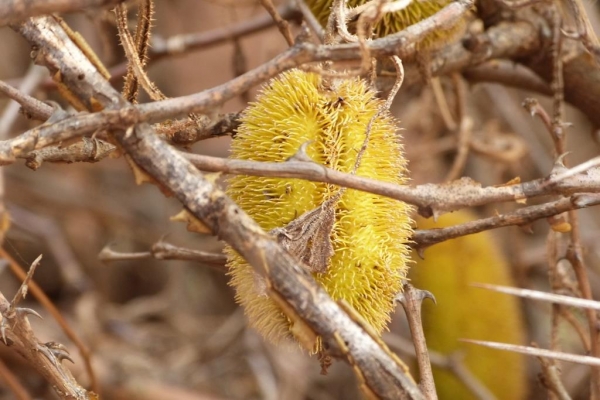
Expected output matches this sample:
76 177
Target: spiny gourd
395 22
463 311
368 233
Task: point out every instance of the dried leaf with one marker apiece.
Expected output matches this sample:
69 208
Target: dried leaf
514 181
308 237
193 223
562 227
522 200
305 335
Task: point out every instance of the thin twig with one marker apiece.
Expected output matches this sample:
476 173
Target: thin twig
523 216
33 107
30 82
22 292
166 251
465 131
282 24
412 300
551 379
428 197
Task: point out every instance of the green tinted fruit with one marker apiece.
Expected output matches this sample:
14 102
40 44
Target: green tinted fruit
464 311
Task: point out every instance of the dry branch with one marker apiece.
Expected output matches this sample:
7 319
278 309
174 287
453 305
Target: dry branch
524 216
33 107
166 251
40 296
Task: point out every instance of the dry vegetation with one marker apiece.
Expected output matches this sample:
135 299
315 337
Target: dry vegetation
126 118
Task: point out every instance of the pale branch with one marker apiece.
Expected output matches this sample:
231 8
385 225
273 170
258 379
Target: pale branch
16 10
30 82
537 352
166 251
542 296
556 129
523 216
551 379
400 44
31 106
412 299
179 132
282 24
429 198
506 40
289 284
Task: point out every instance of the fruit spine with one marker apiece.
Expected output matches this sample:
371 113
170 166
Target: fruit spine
368 232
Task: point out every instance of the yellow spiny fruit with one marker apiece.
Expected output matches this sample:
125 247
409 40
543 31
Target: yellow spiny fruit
463 311
369 232
399 20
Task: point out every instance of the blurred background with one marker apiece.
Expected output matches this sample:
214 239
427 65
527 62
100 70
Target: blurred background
171 329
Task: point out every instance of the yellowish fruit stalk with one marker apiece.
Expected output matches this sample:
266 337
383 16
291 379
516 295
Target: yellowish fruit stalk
369 232
463 311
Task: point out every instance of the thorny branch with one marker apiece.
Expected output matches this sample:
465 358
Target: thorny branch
46 358
40 296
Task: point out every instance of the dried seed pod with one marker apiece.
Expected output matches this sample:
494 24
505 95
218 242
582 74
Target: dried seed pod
366 233
463 311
